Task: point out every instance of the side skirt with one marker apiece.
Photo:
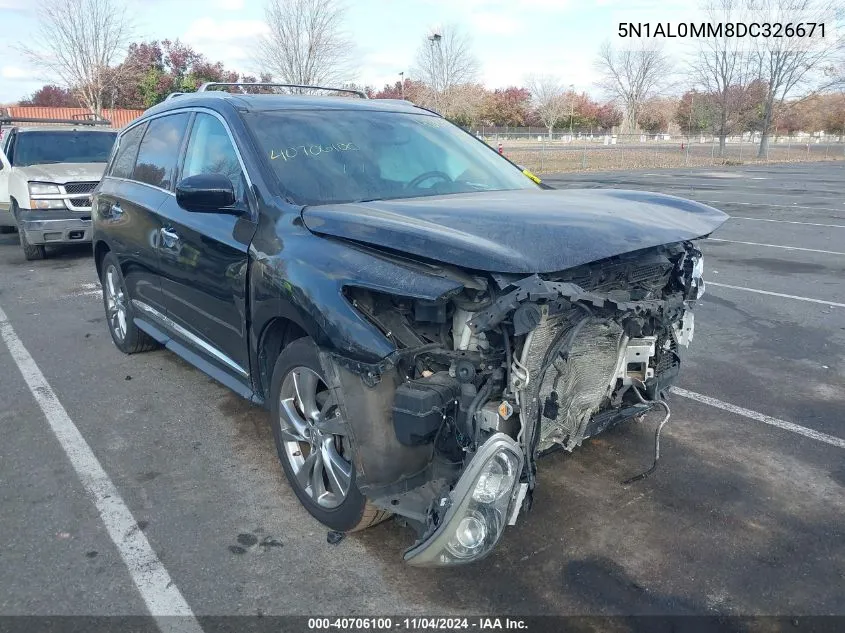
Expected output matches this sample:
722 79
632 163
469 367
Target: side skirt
177 347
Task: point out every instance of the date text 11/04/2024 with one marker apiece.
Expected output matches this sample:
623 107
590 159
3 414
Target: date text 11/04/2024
721 29
416 624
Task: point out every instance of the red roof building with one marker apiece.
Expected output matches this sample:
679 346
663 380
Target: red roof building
118 118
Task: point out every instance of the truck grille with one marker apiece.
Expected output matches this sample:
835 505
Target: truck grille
81 203
79 187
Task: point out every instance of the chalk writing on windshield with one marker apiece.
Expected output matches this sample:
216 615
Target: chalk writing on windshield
289 153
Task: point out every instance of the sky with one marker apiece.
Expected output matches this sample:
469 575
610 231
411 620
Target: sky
511 39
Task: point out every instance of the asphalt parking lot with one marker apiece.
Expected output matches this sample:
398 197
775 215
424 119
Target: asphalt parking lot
746 514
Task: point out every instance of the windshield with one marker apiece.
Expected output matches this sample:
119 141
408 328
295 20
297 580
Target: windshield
334 156
40 148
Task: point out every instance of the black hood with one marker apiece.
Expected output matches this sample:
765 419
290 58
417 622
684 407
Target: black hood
527 231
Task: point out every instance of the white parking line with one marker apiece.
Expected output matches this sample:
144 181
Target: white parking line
161 596
830 226
766 204
760 417
832 304
787 248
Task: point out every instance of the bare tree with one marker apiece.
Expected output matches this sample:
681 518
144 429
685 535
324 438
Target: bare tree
306 43
444 62
632 76
790 65
549 99
723 69
77 41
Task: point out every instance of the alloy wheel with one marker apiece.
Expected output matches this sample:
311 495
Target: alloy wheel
313 433
115 303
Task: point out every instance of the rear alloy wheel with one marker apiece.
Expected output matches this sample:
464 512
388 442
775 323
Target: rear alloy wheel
313 442
128 338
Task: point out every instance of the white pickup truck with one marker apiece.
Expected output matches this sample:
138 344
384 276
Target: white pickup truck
47 174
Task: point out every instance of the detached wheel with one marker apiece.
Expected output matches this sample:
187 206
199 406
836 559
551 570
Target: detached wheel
31 252
313 442
128 338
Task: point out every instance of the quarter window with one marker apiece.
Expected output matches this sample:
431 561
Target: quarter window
127 148
210 151
159 150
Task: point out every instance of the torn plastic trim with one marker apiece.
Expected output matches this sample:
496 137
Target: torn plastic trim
534 288
382 464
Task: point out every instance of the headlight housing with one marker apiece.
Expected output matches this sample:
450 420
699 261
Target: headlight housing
696 290
46 204
43 189
481 504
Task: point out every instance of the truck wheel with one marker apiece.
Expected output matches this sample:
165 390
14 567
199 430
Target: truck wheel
313 442
30 251
128 338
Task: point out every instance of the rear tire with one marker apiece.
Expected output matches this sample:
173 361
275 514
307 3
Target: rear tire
301 409
127 336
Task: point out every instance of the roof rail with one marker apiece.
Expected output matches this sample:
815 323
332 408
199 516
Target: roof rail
174 94
217 84
9 120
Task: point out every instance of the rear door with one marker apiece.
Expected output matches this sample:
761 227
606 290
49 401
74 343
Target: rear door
204 255
137 184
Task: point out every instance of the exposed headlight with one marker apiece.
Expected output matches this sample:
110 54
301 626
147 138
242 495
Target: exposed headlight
481 504
47 204
697 281
43 188
698 268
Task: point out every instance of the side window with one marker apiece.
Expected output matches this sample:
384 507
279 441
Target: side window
124 160
159 150
10 148
210 151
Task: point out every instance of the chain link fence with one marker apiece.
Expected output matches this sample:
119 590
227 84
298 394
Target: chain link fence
584 151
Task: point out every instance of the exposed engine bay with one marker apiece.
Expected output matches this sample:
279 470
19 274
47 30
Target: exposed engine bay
546 360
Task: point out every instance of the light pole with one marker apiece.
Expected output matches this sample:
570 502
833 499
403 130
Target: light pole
435 38
402 83
571 108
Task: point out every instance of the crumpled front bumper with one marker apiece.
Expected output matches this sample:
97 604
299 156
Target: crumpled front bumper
476 510
55 231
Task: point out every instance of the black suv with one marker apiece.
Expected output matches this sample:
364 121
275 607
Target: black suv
422 319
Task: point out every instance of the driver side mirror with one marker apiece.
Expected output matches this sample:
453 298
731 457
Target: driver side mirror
207 193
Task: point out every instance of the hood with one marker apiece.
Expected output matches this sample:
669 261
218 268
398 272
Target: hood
526 231
64 172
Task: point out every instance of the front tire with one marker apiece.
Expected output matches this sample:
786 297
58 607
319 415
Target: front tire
128 338
31 252
313 442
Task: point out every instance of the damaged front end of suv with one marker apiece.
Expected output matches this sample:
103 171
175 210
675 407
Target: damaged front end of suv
499 369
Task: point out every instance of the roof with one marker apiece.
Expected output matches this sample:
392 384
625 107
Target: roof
265 102
119 118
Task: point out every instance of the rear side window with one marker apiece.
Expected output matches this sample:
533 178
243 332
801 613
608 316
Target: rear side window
159 150
124 161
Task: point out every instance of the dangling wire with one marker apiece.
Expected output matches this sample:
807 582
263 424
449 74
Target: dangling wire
656 436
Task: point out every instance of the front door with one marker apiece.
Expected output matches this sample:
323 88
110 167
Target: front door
5 172
203 256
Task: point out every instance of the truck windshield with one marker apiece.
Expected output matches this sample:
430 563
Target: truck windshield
45 147
335 156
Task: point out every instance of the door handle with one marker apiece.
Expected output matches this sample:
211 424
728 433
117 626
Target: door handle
169 238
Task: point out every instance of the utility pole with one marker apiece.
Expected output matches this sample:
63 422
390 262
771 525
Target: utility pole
402 83
571 108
